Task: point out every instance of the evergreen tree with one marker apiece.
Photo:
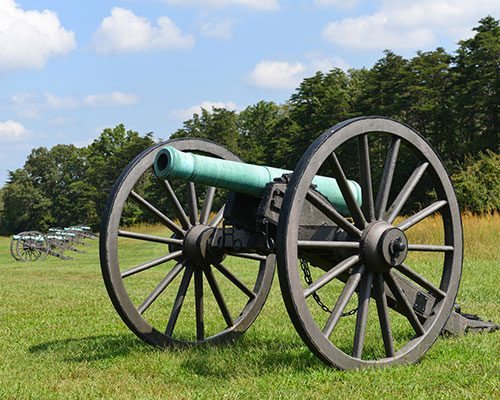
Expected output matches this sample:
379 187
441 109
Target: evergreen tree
477 89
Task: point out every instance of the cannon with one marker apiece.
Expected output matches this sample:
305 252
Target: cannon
36 246
29 246
348 266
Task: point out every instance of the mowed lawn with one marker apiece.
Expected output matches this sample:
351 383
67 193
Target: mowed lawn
60 337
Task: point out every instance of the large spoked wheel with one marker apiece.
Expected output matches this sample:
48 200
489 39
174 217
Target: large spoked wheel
13 246
402 247
32 246
165 290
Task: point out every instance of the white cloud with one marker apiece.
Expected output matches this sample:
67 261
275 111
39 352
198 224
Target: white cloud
29 38
56 102
11 131
277 74
26 105
282 75
258 4
409 24
325 64
109 99
336 3
183 115
30 105
218 28
92 135
60 120
375 31
124 31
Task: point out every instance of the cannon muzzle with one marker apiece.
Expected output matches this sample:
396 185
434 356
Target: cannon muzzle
250 179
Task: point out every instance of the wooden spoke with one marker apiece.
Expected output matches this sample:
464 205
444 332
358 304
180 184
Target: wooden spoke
383 313
365 289
326 208
179 300
198 294
416 218
352 205
345 296
435 291
192 203
151 264
403 195
340 268
207 205
161 287
174 201
157 214
214 223
386 181
404 303
218 296
326 244
249 256
149 238
235 280
429 247
366 178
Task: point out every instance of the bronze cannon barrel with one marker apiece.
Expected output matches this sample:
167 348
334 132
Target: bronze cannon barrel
250 179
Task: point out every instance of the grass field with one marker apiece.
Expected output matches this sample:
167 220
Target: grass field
60 337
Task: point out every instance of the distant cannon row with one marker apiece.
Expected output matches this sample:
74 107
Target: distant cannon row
36 246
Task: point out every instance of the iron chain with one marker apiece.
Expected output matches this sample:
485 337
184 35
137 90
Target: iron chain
304 265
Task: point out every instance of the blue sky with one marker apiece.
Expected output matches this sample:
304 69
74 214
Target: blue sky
68 69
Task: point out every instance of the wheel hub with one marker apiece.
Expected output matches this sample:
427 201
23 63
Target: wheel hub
196 248
383 246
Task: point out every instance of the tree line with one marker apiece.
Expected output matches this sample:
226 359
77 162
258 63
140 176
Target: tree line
451 99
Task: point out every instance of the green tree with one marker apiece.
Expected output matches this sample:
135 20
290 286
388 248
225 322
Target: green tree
430 91
220 126
106 158
387 88
477 182
54 172
256 125
25 206
477 94
67 186
319 103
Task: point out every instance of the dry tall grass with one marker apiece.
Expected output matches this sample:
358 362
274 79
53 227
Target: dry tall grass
481 234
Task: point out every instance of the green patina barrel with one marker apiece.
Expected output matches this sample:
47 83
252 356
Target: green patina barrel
171 163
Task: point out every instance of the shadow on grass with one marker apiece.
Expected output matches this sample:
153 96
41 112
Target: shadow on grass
93 348
254 355
217 360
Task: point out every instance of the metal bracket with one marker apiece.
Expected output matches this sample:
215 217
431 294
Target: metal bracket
420 302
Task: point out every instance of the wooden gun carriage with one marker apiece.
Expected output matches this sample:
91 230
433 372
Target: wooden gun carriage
338 243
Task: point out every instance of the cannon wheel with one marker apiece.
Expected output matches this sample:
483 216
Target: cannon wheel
369 255
210 313
13 246
32 246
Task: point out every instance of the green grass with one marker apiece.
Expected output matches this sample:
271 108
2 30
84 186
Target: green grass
60 337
